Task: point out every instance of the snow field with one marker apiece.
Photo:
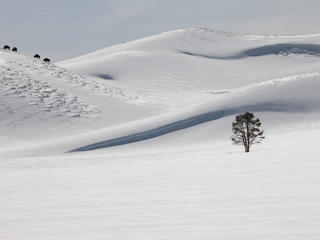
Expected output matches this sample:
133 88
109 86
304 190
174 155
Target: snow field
216 191
133 141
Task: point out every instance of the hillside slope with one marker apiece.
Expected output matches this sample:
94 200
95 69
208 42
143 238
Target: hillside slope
125 94
180 67
133 141
213 74
43 101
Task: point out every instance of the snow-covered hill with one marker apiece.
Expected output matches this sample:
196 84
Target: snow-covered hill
182 62
213 75
151 87
132 141
43 101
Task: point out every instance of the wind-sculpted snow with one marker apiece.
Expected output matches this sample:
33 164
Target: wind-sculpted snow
99 87
24 79
283 49
147 154
35 101
183 124
49 99
298 93
152 73
197 60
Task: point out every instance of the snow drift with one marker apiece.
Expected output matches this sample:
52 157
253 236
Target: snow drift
156 86
133 141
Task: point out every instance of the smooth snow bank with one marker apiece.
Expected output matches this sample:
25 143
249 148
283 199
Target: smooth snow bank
296 95
43 101
291 94
199 60
154 88
180 177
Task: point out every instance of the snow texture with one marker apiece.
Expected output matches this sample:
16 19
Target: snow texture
133 141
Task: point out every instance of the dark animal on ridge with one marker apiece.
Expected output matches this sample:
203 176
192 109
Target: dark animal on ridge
6 47
37 56
46 60
14 49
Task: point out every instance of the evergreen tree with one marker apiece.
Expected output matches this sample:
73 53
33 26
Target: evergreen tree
246 130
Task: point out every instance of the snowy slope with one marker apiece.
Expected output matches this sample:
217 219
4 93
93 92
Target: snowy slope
282 103
213 75
178 63
126 96
43 101
132 141
213 191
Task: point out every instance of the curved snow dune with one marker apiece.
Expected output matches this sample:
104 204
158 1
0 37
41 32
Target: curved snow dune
35 101
44 101
156 63
291 94
294 94
182 124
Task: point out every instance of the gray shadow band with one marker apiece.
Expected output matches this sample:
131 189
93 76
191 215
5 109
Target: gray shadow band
185 123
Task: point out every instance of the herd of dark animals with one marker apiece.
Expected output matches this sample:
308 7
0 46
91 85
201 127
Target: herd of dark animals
37 56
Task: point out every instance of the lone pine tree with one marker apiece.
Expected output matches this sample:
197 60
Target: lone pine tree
246 130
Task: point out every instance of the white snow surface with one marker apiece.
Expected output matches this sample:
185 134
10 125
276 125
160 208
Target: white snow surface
133 141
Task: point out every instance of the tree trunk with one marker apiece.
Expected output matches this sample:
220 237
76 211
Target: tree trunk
247 148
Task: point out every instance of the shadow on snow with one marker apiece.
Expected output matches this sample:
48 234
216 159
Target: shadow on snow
276 49
185 123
